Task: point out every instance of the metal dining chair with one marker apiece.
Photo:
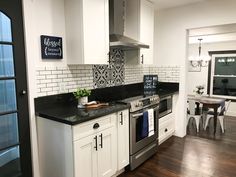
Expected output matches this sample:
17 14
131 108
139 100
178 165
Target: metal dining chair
193 112
220 116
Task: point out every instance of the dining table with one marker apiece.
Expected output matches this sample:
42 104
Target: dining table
209 102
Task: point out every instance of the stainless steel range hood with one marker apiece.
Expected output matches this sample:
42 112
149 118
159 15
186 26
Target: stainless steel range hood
116 26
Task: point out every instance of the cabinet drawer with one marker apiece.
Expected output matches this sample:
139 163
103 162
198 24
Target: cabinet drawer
165 118
88 128
166 129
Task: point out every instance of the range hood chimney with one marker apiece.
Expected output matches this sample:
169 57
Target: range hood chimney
116 27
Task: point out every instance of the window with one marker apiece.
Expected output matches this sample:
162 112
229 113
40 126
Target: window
223 75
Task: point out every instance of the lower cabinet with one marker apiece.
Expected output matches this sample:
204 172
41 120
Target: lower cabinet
123 139
166 127
97 148
85 157
95 155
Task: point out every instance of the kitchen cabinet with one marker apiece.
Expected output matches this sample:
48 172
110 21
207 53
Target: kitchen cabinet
123 139
166 127
146 31
88 149
95 155
87 31
139 25
85 157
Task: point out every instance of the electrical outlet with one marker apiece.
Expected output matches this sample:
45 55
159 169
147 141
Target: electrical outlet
62 87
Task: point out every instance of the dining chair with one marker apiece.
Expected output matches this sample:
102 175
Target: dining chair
220 116
193 112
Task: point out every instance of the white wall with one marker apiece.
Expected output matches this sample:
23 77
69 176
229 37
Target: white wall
40 17
200 78
171 39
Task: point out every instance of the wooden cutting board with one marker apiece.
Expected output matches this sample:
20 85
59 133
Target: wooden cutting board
97 105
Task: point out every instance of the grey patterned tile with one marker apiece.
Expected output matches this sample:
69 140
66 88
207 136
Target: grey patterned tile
100 76
110 75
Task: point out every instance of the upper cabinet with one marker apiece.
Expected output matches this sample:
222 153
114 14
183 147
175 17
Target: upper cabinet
139 24
146 30
87 31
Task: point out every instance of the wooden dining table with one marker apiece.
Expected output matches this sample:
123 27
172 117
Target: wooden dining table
209 102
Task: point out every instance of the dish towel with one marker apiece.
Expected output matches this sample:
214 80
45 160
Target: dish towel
145 125
150 122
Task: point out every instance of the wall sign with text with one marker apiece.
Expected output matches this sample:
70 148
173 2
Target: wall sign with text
51 47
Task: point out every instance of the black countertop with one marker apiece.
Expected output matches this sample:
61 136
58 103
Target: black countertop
164 93
63 107
70 114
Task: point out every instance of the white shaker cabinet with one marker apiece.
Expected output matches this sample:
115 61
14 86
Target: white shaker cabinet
96 148
123 139
107 148
87 31
139 24
146 31
95 155
85 157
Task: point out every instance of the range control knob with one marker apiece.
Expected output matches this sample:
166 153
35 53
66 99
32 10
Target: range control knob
137 104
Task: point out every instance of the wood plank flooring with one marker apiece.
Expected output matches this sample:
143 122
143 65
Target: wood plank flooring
197 155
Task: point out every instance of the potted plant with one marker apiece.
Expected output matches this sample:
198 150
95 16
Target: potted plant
199 90
82 96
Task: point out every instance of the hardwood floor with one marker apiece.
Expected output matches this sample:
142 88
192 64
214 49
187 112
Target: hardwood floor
196 155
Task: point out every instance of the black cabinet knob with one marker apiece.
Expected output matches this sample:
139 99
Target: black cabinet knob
166 130
96 126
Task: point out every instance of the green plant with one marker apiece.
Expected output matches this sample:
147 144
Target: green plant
81 93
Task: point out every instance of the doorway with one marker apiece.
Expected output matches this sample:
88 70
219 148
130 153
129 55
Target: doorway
15 151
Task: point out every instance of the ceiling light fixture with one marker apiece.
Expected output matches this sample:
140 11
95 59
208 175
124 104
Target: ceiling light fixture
199 61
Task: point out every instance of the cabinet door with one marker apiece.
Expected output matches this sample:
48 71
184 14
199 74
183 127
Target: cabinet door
146 30
96 31
107 159
123 139
85 157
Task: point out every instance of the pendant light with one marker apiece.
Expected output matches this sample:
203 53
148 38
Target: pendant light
199 61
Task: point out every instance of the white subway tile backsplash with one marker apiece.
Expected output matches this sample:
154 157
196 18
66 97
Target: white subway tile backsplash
57 72
46 89
45 72
51 76
55 80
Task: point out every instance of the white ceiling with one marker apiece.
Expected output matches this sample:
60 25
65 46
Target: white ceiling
220 33
164 4
213 38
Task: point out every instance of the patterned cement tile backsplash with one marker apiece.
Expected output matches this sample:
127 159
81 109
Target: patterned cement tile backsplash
117 57
55 80
112 74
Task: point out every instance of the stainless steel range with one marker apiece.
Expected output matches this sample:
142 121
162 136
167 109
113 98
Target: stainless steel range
143 146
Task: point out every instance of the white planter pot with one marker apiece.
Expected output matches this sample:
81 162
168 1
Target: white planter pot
82 101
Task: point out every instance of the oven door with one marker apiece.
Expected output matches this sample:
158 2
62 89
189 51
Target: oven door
137 142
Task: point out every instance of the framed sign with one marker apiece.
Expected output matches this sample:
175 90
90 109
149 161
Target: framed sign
150 82
51 47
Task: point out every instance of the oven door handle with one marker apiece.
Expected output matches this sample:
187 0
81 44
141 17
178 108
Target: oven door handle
140 114
137 115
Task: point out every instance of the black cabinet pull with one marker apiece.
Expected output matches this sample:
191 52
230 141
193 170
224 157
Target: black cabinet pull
109 57
96 126
101 145
166 130
121 118
96 143
142 58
